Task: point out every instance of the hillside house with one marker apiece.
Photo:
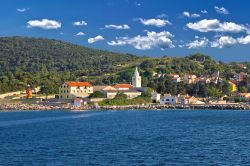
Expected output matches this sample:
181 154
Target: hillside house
190 79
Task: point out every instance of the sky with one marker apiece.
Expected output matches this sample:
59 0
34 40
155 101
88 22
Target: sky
219 28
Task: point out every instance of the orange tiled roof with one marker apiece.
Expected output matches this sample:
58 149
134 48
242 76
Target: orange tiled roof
87 84
117 86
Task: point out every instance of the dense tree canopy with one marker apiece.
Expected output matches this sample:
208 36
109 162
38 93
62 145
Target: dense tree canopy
37 61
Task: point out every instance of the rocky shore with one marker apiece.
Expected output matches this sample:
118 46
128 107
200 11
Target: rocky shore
182 107
6 107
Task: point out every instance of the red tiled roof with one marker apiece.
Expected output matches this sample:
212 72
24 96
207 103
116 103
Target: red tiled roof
87 84
117 86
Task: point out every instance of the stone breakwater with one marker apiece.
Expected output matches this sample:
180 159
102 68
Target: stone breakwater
181 107
129 107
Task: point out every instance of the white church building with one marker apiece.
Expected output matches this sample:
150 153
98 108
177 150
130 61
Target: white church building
131 90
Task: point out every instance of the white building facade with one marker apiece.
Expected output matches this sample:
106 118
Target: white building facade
72 90
169 100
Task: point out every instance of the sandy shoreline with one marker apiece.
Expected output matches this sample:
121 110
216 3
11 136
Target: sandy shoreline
6 107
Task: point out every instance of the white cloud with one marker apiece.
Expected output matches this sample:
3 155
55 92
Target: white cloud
198 43
204 11
189 15
22 9
221 10
219 42
224 42
155 22
215 25
80 23
44 24
163 15
119 42
95 39
111 26
151 40
80 34
244 40
228 41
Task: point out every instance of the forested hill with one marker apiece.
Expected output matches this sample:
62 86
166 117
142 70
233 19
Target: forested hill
48 63
32 54
26 60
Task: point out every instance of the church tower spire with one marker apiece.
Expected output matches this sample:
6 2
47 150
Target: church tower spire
136 79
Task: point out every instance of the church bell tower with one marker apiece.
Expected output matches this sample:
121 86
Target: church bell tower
136 79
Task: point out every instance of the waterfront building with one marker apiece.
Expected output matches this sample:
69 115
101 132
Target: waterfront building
111 91
131 90
131 93
72 90
169 99
156 97
189 100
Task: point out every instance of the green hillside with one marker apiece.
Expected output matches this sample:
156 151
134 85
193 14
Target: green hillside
38 61
48 63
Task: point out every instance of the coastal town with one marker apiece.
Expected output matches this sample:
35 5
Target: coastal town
124 82
84 95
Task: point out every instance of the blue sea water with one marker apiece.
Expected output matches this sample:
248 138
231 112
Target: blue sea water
125 138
